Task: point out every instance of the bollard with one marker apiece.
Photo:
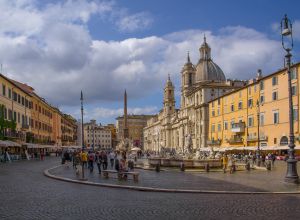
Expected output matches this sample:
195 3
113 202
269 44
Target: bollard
157 167
247 166
182 168
206 167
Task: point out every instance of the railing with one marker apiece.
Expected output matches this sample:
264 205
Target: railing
254 138
235 140
214 142
238 127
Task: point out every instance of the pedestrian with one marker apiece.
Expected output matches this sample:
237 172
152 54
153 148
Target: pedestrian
98 160
273 159
104 160
224 162
91 161
111 158
83 158
42 155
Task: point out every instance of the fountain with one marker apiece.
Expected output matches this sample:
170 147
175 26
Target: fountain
187 155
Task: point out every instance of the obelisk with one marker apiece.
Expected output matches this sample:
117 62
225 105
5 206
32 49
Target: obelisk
125 131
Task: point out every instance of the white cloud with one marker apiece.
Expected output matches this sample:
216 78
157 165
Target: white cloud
103 114
138 21
57 55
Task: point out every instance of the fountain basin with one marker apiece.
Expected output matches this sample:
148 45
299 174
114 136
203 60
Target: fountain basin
188 163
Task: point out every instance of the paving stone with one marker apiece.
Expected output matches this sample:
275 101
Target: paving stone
27 194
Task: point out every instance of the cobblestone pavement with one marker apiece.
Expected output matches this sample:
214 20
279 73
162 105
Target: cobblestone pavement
27 194
253 181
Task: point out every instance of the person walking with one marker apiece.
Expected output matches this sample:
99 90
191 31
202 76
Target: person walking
111 158
91 161
83 158
224 162
104 160
98 160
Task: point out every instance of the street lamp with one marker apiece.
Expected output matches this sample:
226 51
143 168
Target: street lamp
82 135
287 44
258 134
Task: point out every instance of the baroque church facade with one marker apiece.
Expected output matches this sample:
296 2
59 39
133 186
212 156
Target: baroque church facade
177 129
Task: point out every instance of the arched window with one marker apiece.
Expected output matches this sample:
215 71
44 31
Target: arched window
190 79
283 141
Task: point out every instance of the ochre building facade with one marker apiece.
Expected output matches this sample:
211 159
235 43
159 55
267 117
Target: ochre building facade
257 114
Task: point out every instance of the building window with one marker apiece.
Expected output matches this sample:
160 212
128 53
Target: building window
9 93
240 105
232 123
261 119
274 81
274 95
250 103
19 99
262 99
293 73
3 89
295 114
250 121
232 107
275 117
219 127
218 111
275 140
213 113
190 79
294 90
212 128
225 125
9 114
15 96
261 85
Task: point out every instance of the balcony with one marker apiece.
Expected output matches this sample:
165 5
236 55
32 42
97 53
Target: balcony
214 142
24 126
238 127
235 140
254 138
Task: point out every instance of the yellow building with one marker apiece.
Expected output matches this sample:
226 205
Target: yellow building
36 120
68 130
17 105
261 107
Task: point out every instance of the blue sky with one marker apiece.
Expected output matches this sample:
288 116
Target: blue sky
102 47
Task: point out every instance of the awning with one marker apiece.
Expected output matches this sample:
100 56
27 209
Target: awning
36 146
9 144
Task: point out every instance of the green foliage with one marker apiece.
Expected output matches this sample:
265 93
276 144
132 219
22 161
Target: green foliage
4 124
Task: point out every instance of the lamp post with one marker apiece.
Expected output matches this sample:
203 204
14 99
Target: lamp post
287 44
258 134
82 135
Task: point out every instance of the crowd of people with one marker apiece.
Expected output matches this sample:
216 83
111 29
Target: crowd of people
103 160
258 159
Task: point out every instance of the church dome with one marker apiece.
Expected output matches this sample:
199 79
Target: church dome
206 69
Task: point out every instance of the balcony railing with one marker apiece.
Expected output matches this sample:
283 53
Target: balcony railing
254 138
235 140
238 127
214 142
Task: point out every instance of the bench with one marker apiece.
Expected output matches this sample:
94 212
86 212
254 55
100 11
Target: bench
121 175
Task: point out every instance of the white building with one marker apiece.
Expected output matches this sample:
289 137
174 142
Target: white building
97 135
174 128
